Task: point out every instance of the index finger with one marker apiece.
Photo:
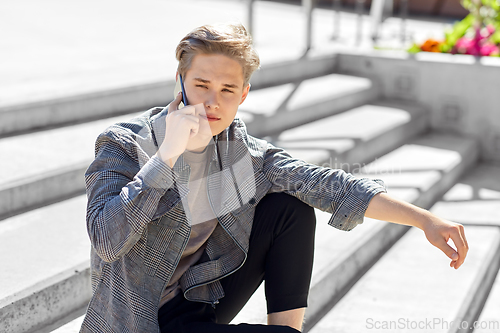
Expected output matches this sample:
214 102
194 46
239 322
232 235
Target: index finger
175 103
461 245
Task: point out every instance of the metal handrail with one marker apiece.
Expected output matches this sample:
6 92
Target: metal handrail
379 11
337 4
250 16
309 6
360 5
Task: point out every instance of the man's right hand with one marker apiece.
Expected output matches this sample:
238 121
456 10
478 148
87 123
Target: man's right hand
186 128
180 126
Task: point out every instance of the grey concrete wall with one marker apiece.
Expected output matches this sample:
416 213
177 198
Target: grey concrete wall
461 92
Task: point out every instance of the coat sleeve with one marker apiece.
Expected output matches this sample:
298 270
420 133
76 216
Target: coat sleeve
335 191
122 196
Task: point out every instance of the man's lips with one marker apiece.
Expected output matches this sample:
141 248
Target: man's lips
210 117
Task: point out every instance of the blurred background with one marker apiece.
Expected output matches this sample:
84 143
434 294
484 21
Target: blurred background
343 84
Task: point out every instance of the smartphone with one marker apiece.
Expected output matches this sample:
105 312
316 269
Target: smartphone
184 98
179 86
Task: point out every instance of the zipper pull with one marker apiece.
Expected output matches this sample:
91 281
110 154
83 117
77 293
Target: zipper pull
214 303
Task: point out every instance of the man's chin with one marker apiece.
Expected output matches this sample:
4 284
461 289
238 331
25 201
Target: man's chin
219 127
216 132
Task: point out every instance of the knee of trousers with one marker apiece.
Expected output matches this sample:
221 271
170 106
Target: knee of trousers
298 212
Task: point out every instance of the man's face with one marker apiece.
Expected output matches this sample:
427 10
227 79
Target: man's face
216 81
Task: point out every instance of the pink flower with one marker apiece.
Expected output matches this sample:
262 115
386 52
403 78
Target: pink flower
489 49
486 32
466 46
478 45
477 42
491 29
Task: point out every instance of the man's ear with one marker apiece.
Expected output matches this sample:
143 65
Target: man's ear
245 93
176 76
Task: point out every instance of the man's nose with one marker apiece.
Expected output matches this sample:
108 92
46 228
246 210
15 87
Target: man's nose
212 101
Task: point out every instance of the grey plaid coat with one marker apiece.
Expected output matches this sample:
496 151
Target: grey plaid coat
138 226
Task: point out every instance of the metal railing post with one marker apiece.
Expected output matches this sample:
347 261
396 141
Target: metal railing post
379 10
336 21
250 16
359 9
308 6
404 16
376 13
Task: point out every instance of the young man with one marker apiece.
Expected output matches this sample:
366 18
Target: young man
188 214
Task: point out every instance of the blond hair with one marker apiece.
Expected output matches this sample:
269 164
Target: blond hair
231 40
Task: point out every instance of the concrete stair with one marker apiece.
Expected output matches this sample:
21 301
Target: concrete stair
342 258
421 292
273 110
372 129
55 168
301 105
42 200
47 166
475 201
49 274
38 115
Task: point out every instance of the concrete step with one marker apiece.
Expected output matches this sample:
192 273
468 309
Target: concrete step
441 159
489 319
43 167
354 252
273 110
394 123
426 168
411 287
44 255
372 129
475 201
444 296
116 101
56 168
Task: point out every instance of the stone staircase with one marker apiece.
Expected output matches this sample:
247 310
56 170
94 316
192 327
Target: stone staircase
377 274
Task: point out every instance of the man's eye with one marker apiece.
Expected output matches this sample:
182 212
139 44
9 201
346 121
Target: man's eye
201 86
227 90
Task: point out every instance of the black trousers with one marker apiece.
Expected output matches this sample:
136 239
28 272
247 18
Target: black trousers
281 253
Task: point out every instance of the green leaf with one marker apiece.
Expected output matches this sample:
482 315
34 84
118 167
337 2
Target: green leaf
495 5
445 48
495 38
486 3
459 29
414 49
467 4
